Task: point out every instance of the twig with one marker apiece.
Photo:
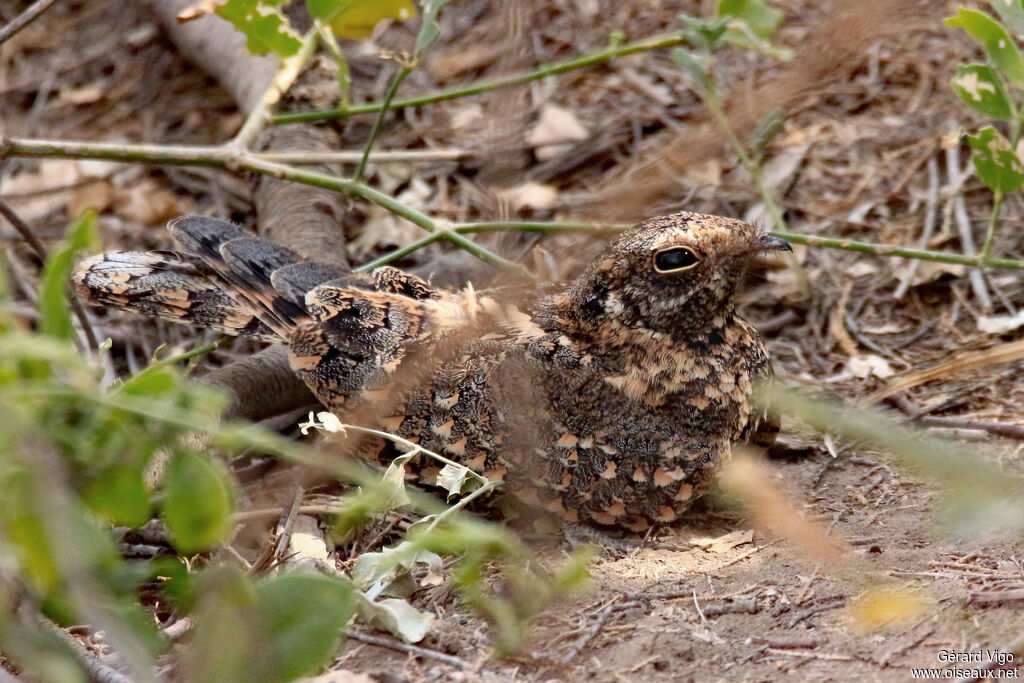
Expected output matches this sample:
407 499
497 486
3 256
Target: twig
298 158
275 513
187 355
260 116
218 157
401 252
23 228
963 223
930 213
795 238
235 159
24 19
403 71
287 517
595 628
97 670
1010 431
824 605
415 650
657 42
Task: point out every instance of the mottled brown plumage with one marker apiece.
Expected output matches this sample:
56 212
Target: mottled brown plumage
612 400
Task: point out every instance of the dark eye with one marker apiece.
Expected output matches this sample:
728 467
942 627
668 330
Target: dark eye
676 258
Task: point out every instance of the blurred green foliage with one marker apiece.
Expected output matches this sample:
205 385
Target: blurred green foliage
77 458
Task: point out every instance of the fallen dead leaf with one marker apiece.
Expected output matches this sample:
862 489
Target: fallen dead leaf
87 94
530 195
98 196
726 542
51 174
869 365
555 131
1000 324
149 203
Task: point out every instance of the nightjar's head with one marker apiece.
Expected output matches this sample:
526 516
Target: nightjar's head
670 274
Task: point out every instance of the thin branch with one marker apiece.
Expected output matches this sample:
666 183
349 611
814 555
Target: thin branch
232 158
401 252
299 158
260 116
657 42
174 360
411 649
219 157
33 12
403 71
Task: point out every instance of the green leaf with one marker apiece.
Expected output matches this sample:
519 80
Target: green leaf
198 502
304 617
430 29
119 495
998 44
266 29
693 66
155 383
757 14
768 126
996 163
55 314
1011 12
981 88
356 19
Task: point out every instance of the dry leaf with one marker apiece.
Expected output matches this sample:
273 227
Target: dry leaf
200 9
726 542
1000 324
878 608
87 94
555 131
467 116
306 545
861 268
863 367
707 173
929 271
97 196
149 203
530 195
51 174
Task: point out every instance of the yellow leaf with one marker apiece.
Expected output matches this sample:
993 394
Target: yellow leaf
879 608
358 18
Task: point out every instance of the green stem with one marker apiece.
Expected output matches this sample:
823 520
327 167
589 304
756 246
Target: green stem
997 198
589 59
379 121
174 360
753 167
993 222
416 449
233 158
218 157
392 256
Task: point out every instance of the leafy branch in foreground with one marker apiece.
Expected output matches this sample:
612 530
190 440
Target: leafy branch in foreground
986 88
77 459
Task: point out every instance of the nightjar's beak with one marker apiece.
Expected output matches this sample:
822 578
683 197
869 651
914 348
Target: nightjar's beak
770 243
761 244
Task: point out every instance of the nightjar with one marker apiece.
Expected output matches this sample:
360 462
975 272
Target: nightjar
611 399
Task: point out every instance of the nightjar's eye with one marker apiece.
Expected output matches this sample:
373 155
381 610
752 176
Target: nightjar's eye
674 259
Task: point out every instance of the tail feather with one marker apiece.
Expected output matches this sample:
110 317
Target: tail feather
166 286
